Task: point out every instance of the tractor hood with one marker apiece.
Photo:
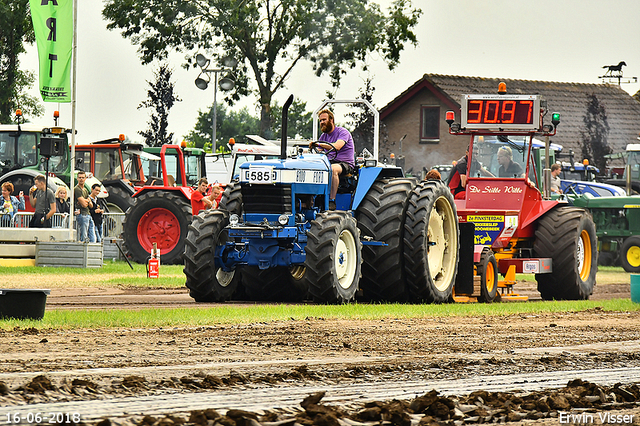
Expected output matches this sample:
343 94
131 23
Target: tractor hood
304 162
307 169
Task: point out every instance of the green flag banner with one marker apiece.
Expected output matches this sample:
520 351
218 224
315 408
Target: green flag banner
53 25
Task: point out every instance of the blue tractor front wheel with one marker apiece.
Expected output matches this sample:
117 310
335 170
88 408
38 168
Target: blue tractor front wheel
334 258
205 281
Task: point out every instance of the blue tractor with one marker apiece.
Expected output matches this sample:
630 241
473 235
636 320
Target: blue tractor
391 238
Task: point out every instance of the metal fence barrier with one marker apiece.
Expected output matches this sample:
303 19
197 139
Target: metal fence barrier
111 222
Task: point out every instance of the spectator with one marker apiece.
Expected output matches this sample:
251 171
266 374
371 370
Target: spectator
199 201
99 207
84 204
10 204
62 200
62 207
216 195
556 169
43 200
433 174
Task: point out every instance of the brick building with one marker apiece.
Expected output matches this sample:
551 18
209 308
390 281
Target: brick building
419 113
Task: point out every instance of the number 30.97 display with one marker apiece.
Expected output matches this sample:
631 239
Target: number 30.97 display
504 112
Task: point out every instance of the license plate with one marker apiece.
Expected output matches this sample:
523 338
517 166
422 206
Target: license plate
260 175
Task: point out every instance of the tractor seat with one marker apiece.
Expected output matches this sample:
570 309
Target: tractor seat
348 183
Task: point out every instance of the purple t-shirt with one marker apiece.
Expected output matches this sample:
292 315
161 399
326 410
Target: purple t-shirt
346 154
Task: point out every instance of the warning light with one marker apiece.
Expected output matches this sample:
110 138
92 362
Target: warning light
183 144
18 113
585 162
121 137
232 141
502 88
450 117
56 114
392 155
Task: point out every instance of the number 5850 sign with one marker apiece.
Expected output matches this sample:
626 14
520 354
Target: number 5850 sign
260 175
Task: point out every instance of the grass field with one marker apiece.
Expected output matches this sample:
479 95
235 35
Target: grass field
119 274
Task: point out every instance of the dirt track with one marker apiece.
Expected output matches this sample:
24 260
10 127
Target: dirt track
108 363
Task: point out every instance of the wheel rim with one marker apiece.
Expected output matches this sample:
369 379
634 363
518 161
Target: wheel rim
489 278
224 278
633 256
297 272
441 235
159 226
345 259
584 254
114 208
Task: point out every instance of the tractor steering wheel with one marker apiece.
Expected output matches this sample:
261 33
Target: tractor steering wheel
314 148
572 188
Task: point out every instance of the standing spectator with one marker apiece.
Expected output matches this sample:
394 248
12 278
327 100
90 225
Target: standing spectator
43 200
10 204
199 201
83 201
556 169
99 207
216 195
62 200
62 206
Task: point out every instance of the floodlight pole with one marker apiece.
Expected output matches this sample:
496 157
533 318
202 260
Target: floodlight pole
226 83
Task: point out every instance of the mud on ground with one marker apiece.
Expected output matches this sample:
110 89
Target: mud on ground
47 365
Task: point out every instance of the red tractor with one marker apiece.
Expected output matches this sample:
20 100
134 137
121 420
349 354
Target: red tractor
506 225
118 165
161 213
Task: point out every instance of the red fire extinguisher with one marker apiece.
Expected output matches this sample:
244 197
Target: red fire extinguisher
153 266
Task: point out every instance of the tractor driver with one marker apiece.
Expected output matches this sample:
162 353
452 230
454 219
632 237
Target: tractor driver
508 167
338 144
457 180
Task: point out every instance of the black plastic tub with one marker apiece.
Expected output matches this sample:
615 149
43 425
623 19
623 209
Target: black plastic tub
23 303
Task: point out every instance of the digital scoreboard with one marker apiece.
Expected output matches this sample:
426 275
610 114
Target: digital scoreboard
503 112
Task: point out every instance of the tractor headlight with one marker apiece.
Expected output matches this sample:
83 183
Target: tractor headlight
234 219
283 219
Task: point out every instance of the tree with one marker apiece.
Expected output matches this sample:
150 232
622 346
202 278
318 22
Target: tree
161 99
299 123
16 29
594 135
230 124
363 120
269 37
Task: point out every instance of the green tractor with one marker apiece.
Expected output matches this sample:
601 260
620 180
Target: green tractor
617 222
27 150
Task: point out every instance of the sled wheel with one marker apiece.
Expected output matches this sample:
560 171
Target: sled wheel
488 272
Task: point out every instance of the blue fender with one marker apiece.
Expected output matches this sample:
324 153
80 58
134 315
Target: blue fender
366 178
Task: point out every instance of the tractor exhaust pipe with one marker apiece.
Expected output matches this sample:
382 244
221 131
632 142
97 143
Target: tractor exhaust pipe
285 116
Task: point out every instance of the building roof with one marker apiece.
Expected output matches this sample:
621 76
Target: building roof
569 99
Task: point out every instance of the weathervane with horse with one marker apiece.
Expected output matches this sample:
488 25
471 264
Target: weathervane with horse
614 69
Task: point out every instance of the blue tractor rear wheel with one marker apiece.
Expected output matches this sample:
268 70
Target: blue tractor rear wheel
381 216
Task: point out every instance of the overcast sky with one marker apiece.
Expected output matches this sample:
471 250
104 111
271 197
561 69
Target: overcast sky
550 40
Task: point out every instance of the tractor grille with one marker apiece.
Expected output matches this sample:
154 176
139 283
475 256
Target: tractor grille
266 199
